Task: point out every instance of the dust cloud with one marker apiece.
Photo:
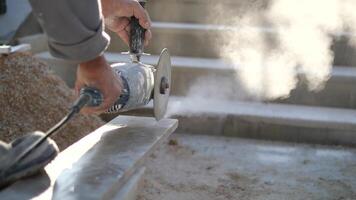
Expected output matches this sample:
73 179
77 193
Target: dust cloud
272 43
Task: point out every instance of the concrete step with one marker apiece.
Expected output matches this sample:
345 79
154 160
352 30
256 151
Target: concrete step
269 121
339 91
206 40
106 164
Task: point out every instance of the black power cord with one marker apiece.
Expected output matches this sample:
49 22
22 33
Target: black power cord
88 97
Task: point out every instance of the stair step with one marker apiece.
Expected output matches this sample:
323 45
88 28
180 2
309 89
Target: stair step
298 115
339 91
103 162
205 40
271 121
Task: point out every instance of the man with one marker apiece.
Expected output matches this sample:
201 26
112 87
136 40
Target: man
75 30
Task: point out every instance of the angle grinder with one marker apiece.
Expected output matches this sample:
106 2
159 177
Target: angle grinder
141 83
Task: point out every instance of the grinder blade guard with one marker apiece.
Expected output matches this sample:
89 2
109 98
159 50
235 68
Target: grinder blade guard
142 82
162 86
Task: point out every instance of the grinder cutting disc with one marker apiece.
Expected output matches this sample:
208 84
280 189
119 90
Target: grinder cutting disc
162 85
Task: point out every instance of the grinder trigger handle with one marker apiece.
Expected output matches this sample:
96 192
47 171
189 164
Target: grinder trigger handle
137 35
88 96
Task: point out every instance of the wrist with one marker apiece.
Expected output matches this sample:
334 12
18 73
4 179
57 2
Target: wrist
94 66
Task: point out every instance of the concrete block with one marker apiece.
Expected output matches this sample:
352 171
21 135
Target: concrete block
99 165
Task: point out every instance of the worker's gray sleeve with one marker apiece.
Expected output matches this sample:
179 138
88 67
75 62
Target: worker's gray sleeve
75 28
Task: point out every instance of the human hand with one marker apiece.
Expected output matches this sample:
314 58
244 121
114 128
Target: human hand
98 74
117 14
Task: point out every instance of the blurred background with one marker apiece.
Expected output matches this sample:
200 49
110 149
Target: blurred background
271 70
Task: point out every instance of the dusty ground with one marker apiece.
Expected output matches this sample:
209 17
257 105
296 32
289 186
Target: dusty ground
192 167
32 98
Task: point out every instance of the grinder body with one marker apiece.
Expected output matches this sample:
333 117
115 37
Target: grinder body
138 85
137 78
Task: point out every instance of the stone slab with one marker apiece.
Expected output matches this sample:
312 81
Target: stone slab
132 187
98 165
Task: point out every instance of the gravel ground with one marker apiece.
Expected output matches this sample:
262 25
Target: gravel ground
32 98
193 167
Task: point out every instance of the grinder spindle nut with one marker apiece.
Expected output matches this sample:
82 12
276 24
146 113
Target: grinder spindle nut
164 86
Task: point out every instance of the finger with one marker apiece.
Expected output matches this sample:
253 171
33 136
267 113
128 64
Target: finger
95 110
124 35
118 24
128 28
140 13
77 87
148 36
108 102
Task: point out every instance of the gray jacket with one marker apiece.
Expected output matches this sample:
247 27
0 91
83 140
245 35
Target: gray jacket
75 28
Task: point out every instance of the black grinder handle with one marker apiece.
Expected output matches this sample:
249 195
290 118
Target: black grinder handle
137 35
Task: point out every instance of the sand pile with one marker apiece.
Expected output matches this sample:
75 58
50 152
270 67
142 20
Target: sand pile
32 98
